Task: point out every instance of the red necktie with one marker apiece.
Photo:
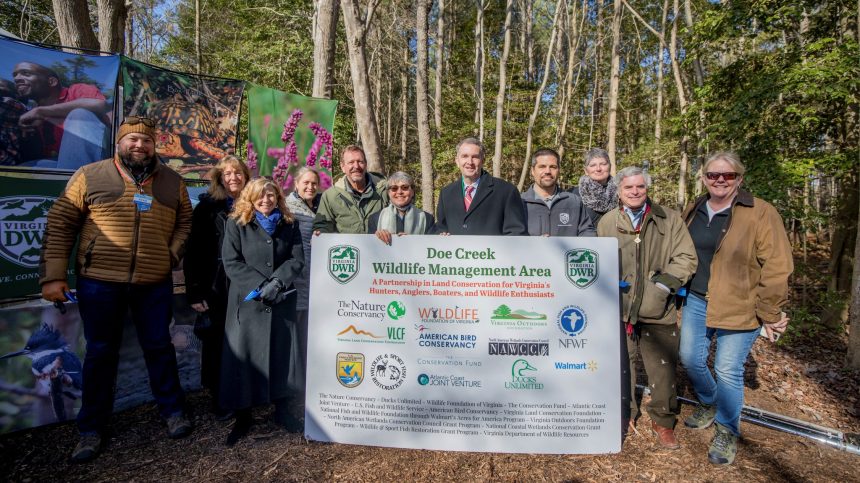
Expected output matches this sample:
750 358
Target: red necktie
470 190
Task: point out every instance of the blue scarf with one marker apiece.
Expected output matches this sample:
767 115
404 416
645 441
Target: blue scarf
269 223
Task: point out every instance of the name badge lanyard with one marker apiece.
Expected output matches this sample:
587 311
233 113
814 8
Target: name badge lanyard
637 241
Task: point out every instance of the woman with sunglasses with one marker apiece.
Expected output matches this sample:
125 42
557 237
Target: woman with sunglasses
740 285
400 217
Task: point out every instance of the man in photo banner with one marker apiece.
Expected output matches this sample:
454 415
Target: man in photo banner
477 203
346 207
550 211
133 215
657 259
64 126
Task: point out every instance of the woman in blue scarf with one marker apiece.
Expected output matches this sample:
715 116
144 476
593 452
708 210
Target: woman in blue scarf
262 255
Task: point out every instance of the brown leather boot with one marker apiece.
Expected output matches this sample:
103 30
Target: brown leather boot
665 436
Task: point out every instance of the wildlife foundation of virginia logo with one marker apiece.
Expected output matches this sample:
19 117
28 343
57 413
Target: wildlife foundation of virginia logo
581 266
22 226
343 263
350 368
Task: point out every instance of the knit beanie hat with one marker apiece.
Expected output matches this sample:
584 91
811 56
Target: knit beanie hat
138 127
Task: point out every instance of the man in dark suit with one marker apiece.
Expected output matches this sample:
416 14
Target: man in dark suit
477 203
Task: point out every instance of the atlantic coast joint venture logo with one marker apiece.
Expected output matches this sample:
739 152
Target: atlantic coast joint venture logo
581 267
518 347
388 371
350 368
523 376
343 263
448 380
517 319
22 226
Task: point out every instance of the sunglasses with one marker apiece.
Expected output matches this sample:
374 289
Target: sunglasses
132 120
399 188
726 176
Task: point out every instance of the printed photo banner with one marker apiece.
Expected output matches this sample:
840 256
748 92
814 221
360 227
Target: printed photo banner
37 389
461 343
56 108
306 140
25 199
197 116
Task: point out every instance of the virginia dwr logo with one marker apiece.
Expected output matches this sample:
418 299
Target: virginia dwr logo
343 263
22 226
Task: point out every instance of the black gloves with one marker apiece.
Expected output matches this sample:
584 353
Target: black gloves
273 292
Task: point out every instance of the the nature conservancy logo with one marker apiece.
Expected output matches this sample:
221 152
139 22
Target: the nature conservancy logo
518 347
350 368
448 380
396 310
369 310
448 315
518 319
392 335
581 267
523 376
577 366
388 371
22 225
343 263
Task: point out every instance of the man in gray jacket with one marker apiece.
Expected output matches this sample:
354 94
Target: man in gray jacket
549 210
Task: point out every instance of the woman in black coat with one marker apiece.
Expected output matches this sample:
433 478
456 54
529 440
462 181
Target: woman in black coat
262 256
205 281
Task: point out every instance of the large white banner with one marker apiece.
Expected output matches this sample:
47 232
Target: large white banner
466 343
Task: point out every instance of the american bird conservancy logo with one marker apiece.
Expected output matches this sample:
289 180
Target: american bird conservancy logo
350 368
581 267
22 226
343 263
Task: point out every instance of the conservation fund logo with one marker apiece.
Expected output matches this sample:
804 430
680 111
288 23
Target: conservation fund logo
523 376
350 368
343 263
581 266
388 371
22 225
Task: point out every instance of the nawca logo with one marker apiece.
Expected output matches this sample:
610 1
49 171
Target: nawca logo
343 263
22 226
581 266
350 368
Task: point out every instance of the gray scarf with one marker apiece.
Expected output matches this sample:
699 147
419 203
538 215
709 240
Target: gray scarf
297 205
413 220
598 197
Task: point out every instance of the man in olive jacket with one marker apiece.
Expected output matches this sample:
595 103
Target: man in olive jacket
132 215
657 259
346 206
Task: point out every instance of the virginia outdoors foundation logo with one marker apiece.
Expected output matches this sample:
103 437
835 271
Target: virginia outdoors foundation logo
523 376
581 267
350 368
343 263
392 335
517 319
388 371
22 226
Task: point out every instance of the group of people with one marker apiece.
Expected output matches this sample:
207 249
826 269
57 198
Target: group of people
247 265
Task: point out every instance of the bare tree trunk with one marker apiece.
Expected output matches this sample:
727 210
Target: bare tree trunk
500 96
356 27
530 41
129 32
325 30
479 69
559 5
421 107
440 68
615 74
73 24
682 103
198 56
658 117
112 15
404 106
854 318
697 64
596 92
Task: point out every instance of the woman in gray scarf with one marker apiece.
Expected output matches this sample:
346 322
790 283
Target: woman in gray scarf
400 217
596 188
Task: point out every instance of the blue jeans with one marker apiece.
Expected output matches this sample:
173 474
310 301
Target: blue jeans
84 141
733 347
103 307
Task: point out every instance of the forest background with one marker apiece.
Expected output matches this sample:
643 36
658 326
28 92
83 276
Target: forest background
659 84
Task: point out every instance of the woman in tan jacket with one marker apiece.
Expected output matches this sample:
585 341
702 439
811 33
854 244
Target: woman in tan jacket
740 285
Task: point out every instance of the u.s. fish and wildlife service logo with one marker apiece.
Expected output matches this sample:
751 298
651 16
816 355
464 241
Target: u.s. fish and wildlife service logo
343 263
350 368
22 226
581 266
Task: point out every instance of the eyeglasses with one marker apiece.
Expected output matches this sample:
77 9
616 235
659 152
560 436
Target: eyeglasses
132 120
399 188
726 176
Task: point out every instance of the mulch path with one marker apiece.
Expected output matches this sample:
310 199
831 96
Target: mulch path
803 379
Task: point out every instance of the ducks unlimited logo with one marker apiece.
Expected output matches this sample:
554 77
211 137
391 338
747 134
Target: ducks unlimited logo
581 267
22 227
343 263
